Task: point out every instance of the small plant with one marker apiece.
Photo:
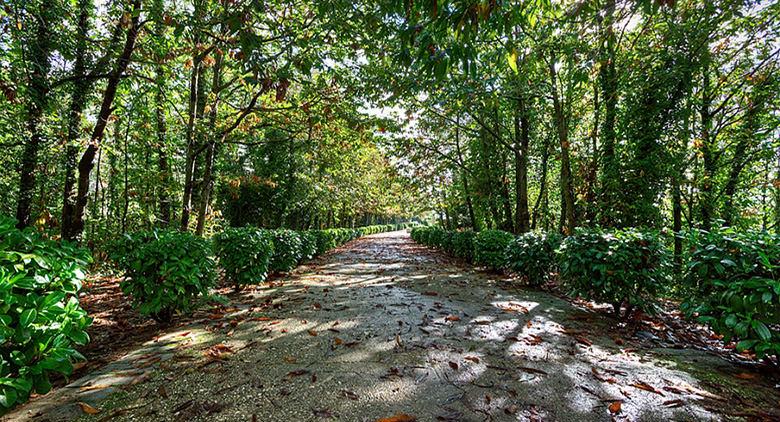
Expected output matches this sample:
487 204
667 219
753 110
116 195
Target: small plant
41 321
532 256
734 278
167 271
288 250
490 247
625 268
244 254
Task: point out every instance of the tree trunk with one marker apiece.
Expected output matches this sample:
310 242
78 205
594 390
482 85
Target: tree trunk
542 186
610 166
568 220
87 161
163 166
211 148
708 154
37 100
522 139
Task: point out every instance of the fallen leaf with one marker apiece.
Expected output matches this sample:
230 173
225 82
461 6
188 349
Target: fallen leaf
401 417
472 359
453 365
614 408
674 403
745 376
312 333
647 387
452 318
88 409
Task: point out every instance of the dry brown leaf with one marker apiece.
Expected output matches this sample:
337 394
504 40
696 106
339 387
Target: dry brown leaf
88 409
472 358
647 387
453 365
452 318
312 333
401 417
614 408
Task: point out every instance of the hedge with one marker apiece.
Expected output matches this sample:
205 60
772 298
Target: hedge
41 321
734 280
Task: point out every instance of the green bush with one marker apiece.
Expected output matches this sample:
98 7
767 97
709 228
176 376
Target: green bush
462 244
308 245
244 254
532 256
288 250
625 268
735 280
167 271
40 317
490 247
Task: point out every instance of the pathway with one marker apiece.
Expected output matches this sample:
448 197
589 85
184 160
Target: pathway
384 327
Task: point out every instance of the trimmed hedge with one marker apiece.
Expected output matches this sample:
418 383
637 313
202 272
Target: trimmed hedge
41 321
167 271
244 254
734 278
625 268
288 250
532 256
490 248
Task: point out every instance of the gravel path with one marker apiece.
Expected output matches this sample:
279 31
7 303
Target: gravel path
384 327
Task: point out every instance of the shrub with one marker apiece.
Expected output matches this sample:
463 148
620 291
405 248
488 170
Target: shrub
40 317
326 240
288 249
489 248
308 245
532 256
245 254
166 271
463 244
625 268
735 278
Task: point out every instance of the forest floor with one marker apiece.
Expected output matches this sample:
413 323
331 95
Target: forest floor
385 328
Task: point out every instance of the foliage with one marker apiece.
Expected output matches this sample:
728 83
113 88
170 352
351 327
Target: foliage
166 271
735 283
41 321
244 254
625 268
308 245
462 244
532 255
490 248
288 250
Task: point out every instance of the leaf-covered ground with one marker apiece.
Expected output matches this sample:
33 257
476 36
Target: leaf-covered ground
384 328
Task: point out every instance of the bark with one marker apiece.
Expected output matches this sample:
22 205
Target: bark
163 166
542 186
677 222
708 154
568 219
207 182
610 174
87 161
39 61
464 176
522 139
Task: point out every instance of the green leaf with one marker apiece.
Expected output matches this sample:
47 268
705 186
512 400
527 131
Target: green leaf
762 330
27 317
511 58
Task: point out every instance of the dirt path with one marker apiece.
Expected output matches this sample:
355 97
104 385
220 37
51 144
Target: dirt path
382 327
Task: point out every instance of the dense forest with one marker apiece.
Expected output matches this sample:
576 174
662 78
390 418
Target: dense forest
622 151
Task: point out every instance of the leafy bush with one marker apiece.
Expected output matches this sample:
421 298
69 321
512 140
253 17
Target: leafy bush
490 247
308 245
288 250
245 254
166 271
40 317
735 278
625 268
532 256
462 244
